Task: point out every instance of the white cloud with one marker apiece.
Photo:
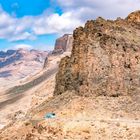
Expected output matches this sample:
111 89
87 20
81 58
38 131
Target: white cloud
75 13
29 27
107 9
22 36
12 28
56 23
23 46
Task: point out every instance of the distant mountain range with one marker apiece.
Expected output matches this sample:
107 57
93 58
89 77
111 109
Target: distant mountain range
13 56
18 64
21 64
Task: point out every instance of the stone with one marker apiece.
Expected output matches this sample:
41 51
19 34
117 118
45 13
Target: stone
105 59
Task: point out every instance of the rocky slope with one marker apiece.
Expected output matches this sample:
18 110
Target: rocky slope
11 56
17 97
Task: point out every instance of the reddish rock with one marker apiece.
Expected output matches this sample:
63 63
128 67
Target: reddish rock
64 43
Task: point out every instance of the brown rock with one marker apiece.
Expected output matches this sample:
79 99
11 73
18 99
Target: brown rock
105 60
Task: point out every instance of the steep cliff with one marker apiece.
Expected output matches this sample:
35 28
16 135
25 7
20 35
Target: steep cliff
105 59
134 17
64 43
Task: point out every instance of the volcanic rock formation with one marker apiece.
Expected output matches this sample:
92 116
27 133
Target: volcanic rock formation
105 59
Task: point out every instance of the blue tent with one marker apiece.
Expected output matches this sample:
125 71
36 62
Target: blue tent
49 115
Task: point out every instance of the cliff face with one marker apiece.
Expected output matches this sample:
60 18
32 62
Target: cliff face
105 59
64 43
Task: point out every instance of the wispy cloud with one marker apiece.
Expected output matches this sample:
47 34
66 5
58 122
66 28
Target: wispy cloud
22 46
93 8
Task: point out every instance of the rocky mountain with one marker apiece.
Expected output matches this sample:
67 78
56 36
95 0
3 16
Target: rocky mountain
63 44
105 59
95 95
11 56
17 64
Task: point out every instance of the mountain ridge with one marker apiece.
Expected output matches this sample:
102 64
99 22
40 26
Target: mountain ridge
11 56
16 65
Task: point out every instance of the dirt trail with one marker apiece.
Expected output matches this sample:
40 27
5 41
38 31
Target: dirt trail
125 121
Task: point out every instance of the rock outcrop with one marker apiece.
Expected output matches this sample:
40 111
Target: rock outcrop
134 16
64 43
105 59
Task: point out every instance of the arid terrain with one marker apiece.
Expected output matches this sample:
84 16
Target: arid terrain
22 93
94 90
18 65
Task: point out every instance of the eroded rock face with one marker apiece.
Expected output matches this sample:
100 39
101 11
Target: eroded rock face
64 43
105 60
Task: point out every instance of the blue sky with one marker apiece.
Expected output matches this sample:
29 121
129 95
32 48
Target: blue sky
37 23
22 8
